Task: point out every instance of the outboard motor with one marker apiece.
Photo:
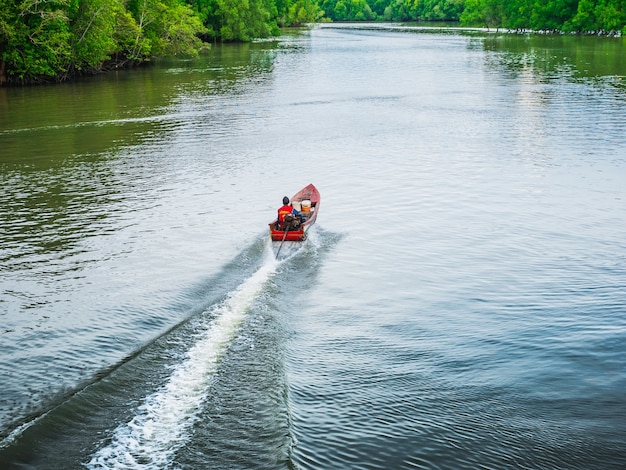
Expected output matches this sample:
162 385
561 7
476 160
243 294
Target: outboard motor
291 222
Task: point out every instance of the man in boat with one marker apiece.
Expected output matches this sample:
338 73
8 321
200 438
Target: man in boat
288 216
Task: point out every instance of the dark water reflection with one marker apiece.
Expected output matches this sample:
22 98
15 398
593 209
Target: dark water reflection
550 56
64 172
46 124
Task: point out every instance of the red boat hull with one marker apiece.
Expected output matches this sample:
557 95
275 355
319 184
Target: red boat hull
309 193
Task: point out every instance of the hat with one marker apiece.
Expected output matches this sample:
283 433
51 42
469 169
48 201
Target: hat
285 200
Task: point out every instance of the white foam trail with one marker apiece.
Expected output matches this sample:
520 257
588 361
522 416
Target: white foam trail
162 424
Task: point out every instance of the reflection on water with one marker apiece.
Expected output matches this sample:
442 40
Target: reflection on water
65 173
558 56
46 124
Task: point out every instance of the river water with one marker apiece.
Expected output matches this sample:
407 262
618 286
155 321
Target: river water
460 303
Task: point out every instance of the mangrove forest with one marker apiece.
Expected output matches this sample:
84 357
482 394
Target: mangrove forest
52 40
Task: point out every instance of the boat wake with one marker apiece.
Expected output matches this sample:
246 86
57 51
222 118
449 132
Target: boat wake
286 249
164 422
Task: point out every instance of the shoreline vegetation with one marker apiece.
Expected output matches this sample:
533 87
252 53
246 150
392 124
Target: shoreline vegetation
48 41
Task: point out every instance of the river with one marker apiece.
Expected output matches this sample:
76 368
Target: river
460 302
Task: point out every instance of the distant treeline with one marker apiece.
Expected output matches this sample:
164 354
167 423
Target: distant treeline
581 16
50 40
393 10
608 16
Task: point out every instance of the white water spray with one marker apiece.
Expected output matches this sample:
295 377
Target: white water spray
163 422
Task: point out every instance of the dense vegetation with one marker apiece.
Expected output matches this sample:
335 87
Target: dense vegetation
393 10
43 40
553 15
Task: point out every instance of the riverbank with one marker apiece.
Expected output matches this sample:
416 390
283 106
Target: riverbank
118 64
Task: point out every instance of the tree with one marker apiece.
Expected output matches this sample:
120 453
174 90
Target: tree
300 12
238 20
174 29
6 35
401 10
552 14
132 46
489 13
93 32
160 27
611 15
439 10
36 40
565 15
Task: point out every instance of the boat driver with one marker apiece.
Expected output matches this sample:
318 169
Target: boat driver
285 210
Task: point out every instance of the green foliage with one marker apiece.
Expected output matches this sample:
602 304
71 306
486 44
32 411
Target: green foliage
300 12
440 10
401 10
393 10
171 27
54 38
353 10
93 28
599 15
50 39
552 14
489 13
243 20
564 15
36 38
132 45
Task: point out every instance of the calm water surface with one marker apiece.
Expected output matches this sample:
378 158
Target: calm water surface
461 302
